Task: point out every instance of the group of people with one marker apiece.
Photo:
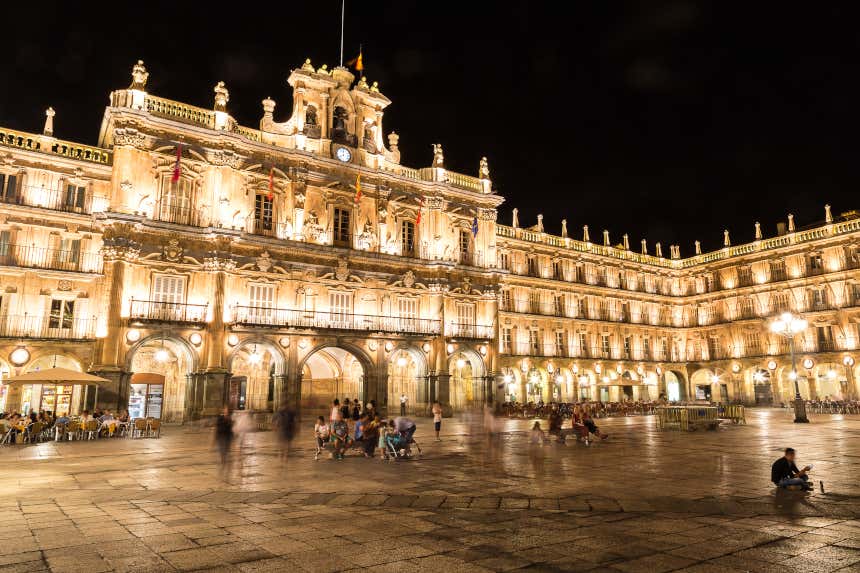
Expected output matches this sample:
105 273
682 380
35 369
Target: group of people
43 420
541 409
369 430
582 426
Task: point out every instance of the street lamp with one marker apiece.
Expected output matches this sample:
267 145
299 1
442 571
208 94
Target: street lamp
788 326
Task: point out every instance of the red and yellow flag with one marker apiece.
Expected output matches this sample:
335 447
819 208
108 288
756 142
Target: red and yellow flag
177 166
358 188
357 62
420 207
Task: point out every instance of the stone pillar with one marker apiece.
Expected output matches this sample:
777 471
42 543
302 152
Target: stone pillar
216 326
115 272
292 378
113 395
376 383
324 116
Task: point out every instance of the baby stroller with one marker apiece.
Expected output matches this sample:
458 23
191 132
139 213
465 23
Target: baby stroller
398 446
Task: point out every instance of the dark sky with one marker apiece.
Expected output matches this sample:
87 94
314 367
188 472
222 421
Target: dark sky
669 120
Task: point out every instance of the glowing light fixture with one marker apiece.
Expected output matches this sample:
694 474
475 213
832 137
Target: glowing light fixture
450 348
388 346
483 350
196 338
255 357
426 347
284 342
736 367
507 378
771 364
831 374
550 368
233 340
715 378
19 356
401 361
132 335
460 363
848 361
808 363
162 355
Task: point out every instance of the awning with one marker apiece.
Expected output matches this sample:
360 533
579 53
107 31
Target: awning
56 376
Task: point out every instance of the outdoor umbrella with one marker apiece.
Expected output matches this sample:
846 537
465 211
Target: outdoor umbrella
56 376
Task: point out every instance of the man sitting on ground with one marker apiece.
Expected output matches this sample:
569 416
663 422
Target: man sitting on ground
783 472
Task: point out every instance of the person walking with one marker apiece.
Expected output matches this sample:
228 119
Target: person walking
403 402
437 419
224 438
286 423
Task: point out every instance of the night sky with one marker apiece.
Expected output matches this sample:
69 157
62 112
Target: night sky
665 120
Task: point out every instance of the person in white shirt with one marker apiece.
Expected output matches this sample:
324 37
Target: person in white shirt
437 419
403 401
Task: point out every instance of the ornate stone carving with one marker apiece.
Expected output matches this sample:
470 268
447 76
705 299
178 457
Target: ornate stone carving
467 285
487 214
139 75
436 203
226 157
264 261
366 238
408 279
129 136
216 262
299 199
312 227
222 96
341 273
172 251
484 169
64 285
438 155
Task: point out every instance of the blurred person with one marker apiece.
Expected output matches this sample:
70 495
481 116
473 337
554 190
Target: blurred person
335 414
403 401
356 410
345 412
437 419
224 438
340 438
370 435
243 425
285 422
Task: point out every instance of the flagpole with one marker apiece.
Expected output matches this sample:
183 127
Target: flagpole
342 17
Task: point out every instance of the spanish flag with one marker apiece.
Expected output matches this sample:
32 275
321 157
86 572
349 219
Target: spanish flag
358 188
357 62
177 166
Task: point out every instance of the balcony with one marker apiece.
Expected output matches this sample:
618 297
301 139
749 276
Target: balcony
826 346
66 200
49 259
466 330
267 228
47 327
312 131
180 215
472 259
297 318
160 311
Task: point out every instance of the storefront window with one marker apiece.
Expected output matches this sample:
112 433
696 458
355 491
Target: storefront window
145 400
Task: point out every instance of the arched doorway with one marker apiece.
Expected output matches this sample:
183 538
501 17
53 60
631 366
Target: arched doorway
331 372
466 368
256 367
407 370
762 387
159 376
674 387
701 381
831 381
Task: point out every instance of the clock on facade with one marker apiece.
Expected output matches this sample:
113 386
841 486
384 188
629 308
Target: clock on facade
343 154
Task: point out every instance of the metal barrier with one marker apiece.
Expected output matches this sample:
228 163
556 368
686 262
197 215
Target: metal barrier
687 418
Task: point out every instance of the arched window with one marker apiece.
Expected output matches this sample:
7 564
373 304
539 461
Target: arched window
339 130
407 238
311 115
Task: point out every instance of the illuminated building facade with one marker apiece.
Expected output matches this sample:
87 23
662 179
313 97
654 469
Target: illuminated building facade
197 263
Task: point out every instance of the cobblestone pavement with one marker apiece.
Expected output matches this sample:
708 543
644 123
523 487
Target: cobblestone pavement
643 500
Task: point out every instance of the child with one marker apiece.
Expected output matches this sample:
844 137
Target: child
340 436
322 433
437 419
537 437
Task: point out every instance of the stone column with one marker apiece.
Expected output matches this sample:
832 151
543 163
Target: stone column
293 377
112 395
217 376
376 383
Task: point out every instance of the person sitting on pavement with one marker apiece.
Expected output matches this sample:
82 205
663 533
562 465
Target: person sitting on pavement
340 436
358 429
322 432
588 422
370 434
784 474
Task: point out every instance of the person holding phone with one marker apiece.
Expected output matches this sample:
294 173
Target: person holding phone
784 473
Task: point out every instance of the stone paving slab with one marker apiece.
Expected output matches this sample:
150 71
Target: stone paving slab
641 501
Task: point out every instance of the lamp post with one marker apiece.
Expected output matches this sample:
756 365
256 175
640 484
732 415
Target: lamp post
788 326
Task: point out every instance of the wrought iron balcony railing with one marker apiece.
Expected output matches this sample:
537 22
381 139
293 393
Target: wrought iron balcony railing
62 327
51 259
466 330
160 311
177 214
70 200
297 318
